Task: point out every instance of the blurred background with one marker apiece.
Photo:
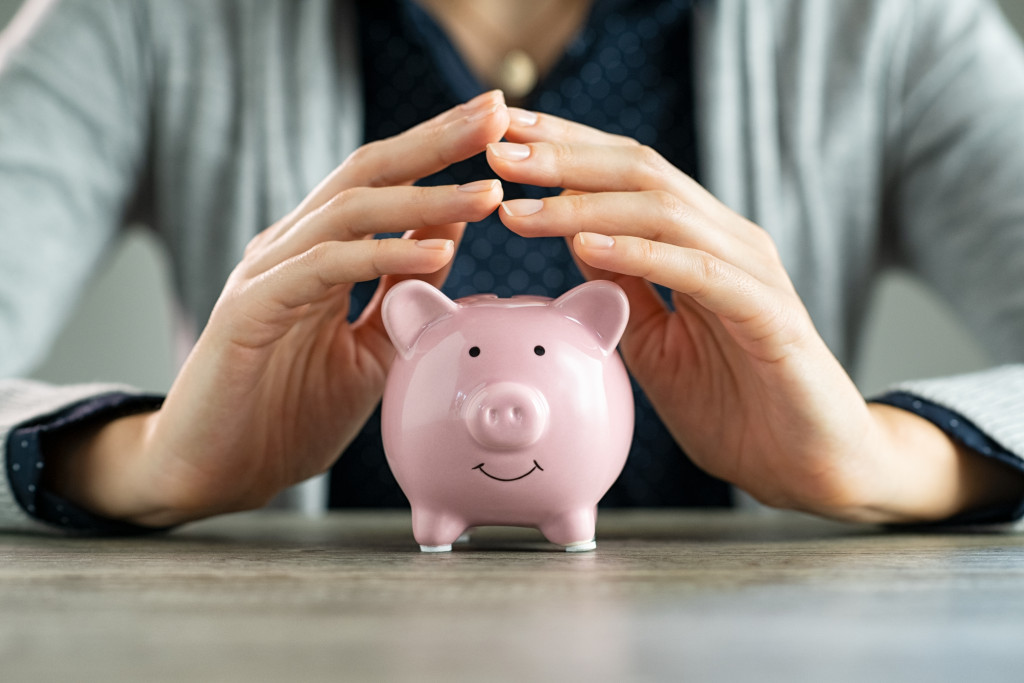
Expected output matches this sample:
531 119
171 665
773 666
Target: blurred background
122 330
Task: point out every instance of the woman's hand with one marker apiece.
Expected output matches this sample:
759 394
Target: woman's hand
280 382
737 370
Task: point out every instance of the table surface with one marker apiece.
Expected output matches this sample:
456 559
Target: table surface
666 596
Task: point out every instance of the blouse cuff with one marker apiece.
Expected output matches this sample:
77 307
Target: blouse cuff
26 461
964 432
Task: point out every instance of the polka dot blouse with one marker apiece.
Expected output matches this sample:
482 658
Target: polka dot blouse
626 72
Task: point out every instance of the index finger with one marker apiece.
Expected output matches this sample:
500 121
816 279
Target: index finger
424 149
531 126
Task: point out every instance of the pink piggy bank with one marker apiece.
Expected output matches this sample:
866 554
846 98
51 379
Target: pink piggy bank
510 412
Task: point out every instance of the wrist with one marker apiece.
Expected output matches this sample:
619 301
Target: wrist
919 474
102 469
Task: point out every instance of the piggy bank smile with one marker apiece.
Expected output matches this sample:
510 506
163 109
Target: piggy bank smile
536 466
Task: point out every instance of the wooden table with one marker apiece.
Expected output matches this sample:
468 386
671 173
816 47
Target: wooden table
667 596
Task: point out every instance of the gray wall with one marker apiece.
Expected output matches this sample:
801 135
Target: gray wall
122 329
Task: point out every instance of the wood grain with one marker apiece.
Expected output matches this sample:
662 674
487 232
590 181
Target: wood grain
666 596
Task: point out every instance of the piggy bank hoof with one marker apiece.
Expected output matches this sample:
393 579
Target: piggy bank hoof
581 547
436 548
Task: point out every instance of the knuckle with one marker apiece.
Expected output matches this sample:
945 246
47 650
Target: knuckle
336 208
708 271
271 234
576 204
421 205
566 130
553 160
367 165
436 140
652 160
361 155
254 244
380 255
239 282
647 254
317 255
422 196
709 267
562 152
672 208
765 244
674 213
359 164
341 200
320 262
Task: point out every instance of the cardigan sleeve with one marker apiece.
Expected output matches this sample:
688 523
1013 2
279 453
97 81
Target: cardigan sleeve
955 204
73 129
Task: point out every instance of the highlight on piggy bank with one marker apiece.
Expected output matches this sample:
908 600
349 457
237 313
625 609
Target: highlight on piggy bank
506 412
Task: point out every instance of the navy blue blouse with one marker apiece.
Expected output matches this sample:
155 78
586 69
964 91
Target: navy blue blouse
628 71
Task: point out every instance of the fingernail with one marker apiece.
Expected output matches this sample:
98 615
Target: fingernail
479 186
436 244
509 151
593 240
483 113
476 102
522 117
522 207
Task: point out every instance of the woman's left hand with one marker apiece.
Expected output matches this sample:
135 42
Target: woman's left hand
735 368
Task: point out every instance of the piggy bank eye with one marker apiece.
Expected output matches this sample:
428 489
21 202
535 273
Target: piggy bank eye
474 351
539 350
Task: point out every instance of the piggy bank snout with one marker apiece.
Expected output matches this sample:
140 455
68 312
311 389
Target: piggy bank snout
506 415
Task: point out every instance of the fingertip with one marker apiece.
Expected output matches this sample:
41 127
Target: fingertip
521 208
592 241
508 151
596 250
496 95
483 113
431 256
508 219
485 107
497 195
450 231
522 118
481 186
436 244
479 198
485 126
514 161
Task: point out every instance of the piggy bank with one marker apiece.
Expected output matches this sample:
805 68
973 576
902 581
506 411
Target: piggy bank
508 412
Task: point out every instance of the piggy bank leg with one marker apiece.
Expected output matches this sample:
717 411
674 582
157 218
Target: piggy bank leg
436 531
574 530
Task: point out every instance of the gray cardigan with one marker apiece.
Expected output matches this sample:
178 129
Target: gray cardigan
860 133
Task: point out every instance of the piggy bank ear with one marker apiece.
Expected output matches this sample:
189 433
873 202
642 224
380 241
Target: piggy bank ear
599 305
409 308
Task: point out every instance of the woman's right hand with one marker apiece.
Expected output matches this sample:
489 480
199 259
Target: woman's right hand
279 381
